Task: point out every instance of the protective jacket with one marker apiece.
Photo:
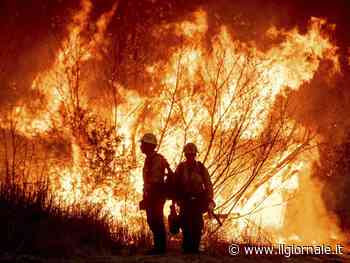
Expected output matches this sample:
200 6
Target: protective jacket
192 180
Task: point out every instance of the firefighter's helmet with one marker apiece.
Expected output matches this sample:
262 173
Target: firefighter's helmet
149 138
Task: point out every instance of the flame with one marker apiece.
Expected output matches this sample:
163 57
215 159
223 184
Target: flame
56 83
198 92
192 29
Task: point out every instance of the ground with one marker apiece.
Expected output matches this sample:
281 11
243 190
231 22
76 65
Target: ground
174 257
217 254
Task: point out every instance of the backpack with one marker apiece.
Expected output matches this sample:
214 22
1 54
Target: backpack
158 185
168 180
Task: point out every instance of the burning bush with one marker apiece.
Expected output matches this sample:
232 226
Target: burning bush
38 218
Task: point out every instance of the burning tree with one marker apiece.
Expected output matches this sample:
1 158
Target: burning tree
231 100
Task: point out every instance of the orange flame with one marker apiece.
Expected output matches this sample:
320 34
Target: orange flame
191 80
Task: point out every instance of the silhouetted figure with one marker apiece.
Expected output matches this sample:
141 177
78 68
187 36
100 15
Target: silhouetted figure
195 197
154 194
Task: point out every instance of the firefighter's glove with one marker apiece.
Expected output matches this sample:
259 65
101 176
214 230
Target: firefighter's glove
211 207
142 204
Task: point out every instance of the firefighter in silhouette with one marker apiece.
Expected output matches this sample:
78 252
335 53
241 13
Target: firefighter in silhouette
154 173
195 197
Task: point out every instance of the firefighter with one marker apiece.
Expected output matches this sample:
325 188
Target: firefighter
153 193
195 197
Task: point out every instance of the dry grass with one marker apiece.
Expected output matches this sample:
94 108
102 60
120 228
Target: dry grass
31 224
